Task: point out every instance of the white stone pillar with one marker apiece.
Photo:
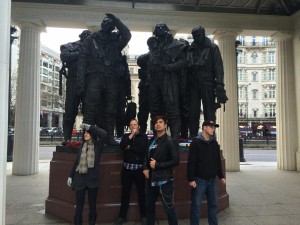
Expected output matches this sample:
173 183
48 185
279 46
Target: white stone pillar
286 116
5 8
297 81
49 119
26 141
60 120
228 135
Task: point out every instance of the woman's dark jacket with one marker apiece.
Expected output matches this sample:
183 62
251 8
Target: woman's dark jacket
204 160
166 155
138 145
92 177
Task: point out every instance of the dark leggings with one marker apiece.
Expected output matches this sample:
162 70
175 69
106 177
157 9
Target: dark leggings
80 196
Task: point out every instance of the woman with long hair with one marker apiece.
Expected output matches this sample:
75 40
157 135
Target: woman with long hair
85 176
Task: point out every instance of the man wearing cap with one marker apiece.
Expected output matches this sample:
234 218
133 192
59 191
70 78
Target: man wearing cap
204 165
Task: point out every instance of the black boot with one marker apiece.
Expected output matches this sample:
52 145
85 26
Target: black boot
92 219
67 130
184 128
77 221
175 126
109 127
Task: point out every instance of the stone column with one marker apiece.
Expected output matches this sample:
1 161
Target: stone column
286 116
297 81
26 140
228 135
49 119
5 8
60 120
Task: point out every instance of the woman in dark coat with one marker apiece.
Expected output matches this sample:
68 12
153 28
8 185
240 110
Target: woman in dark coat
84 175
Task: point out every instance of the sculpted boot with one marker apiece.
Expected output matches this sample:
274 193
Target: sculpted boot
184 128
110 140
175 126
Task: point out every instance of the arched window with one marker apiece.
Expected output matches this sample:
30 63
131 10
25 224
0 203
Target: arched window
254 76
254 57
255 94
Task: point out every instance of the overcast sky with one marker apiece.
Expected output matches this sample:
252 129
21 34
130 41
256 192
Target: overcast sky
54 37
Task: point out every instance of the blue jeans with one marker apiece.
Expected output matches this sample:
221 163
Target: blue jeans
166 193
209 188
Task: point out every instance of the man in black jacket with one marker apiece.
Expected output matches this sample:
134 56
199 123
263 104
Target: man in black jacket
161 158
204 164
134 146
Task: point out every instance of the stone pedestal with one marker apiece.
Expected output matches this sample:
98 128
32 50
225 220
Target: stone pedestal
61 199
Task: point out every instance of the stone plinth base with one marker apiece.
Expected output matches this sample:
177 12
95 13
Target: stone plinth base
61 199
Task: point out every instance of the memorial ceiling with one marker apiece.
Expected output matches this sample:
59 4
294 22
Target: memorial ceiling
259 7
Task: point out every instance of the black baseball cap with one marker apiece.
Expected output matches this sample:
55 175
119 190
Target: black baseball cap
210 123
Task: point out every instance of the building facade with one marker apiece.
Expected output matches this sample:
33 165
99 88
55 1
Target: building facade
256 73
52 104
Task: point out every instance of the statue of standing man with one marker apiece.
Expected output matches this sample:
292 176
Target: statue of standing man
166 62
69 56
99 73
206 79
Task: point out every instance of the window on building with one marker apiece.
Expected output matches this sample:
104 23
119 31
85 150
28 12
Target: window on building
272 110
254 76
254 113
45 71
265 40
45 79
271 57
44 102
241 39
240 75
272 92
241 92
57 68
254 94
254 57
271 74
50 66
45 64
240 57
253 40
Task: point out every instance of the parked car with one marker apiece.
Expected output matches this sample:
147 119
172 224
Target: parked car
48 131
57 131
44 131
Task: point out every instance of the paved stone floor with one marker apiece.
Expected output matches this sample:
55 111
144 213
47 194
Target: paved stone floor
259 194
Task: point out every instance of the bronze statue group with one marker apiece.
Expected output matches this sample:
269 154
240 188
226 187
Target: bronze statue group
175 77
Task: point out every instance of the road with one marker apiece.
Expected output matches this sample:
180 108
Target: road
249 154
46 153
260 155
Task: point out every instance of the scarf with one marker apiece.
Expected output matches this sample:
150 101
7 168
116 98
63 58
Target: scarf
87 158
